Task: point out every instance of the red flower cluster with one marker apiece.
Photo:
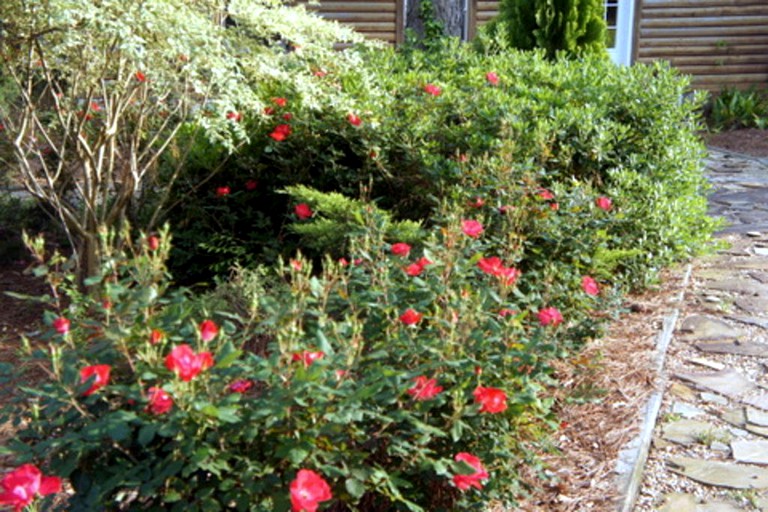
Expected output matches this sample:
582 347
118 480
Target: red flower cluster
494 267
415 269
101 374
308 490
491 400
550 316
20 486
424 388
186 363
160 402
411 317
464 482
471 228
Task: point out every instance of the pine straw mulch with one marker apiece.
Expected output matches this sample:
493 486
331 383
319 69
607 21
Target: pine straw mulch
602 395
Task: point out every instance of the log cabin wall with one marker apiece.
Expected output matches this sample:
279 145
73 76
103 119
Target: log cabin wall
376 19
720 43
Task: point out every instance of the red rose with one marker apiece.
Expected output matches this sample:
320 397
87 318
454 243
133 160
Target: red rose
101 374
354 120
307 357
235 116
433 90
251 185
604 203
545 194
208 330
186 363
295 265
140 77
241 386
269 111
61 325
464 482
471 228
491 400
222 191
287 116
153 243
155 336
281 132
589 285
490 265
280 102
424 388
160 402
505 312
550 316
477 202
303 211
492 78
308 490
415 269
411 317
20 486
401 249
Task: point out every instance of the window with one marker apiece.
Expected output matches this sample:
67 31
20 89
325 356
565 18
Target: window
619 20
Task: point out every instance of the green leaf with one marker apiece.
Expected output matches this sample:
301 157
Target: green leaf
147 433
355 487
227 355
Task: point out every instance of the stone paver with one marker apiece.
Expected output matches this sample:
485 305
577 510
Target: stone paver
711 441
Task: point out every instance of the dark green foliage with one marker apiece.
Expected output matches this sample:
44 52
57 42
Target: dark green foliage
574 27
734 108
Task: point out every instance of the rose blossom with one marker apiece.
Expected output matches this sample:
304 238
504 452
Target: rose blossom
604 203
208 330
492 78
308 357
464 482
222 191
101 374
308 490
303 211
281 132
153 243
491 400
160 402
354 120
424 388
20 486
550 316
471 228
589 285
411 317
401 249
240 386
415 269
433 90
61 325
186 363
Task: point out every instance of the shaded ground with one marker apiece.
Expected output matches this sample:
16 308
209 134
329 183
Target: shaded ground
751 142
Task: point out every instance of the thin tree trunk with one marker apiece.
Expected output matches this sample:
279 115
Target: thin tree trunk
450 13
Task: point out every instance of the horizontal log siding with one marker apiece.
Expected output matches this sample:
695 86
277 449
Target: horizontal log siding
376 19
480 12
719 42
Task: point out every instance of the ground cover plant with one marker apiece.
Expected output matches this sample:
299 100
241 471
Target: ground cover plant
390 289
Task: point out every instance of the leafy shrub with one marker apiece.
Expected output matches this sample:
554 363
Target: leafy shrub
469 123
734 108
325 370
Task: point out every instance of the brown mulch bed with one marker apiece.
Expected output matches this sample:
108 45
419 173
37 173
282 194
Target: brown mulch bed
750 141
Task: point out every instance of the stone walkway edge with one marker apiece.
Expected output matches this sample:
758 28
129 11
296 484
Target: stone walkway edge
633 457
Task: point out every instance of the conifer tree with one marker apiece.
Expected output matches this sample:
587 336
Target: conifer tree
572 26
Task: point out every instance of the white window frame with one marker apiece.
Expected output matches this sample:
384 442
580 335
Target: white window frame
625 15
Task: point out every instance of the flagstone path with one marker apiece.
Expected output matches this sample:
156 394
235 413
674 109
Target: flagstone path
710 442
